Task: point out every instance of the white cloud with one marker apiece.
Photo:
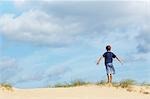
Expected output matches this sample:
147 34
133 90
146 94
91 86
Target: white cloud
39 27
59 23
19 3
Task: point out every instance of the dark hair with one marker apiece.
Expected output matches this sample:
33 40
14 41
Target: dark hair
108 47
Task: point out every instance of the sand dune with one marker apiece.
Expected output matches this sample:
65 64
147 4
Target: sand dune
82 92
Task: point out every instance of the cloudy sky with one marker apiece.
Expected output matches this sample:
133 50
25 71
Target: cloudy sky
55 41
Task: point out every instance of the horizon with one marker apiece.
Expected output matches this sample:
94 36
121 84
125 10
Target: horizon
49 42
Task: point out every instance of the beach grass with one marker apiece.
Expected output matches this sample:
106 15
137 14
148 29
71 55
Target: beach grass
123 84
102 82
145 84
127 83
74 83
6 86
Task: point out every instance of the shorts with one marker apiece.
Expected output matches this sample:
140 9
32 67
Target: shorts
110 68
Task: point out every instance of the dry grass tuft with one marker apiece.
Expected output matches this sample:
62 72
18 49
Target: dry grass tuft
5 86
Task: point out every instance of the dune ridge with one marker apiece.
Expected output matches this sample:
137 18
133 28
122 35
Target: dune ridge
79 92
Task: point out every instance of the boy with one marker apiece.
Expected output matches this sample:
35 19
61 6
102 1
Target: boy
108 56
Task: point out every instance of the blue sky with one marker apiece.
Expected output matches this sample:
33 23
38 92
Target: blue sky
48 42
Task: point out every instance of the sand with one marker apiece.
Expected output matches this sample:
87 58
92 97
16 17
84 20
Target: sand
82 92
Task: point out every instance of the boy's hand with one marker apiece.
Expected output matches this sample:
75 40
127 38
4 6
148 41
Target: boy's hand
119 60
99 60
97 63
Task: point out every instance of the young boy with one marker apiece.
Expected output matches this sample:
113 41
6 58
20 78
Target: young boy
108 56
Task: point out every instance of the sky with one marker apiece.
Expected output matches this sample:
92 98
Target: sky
45 42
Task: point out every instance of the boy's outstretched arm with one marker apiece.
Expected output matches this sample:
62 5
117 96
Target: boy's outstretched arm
119 60
99 60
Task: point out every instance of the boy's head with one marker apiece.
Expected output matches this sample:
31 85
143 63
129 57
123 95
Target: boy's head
108 47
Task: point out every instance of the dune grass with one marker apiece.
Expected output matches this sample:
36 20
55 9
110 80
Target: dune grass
79 83
102 82
123 84
6 86
72 84
127 83
62 85
145 84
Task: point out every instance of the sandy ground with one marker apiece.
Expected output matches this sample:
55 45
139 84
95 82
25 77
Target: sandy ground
82 92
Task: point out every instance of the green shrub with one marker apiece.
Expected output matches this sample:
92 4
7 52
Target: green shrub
145 84
6 86
62 85
79 83
102 82
72 84
126 83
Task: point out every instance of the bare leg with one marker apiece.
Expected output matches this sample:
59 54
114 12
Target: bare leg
110 78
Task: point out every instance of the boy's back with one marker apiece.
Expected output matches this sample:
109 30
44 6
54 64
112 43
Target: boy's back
109 57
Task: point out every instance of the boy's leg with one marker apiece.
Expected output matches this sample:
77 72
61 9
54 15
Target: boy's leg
107 78
110 78
112 69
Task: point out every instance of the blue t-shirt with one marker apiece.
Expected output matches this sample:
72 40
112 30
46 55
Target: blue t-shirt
109 57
